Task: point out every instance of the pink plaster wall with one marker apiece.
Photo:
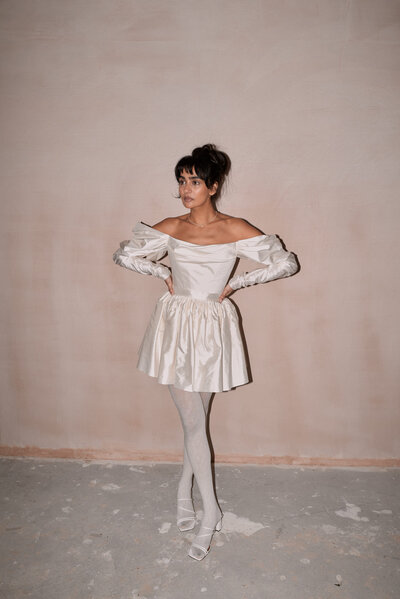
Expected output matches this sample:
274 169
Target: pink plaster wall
99 99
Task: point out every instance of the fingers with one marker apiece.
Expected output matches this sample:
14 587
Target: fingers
227 290
170 285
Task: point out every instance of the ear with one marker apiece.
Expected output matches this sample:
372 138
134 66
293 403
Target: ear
213 188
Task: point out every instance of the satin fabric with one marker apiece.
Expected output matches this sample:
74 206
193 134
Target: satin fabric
193 341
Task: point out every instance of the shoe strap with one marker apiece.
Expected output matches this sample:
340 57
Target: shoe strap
187 519
185 509
200 547
207 534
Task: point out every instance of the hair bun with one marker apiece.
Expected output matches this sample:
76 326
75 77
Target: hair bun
214 155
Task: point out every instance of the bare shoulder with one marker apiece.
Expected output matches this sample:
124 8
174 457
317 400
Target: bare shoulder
167 225
227 227
242 229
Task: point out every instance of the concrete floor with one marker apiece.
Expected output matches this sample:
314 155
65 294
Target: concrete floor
95 530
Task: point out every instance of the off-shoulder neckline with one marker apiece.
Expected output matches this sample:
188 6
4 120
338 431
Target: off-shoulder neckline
201 244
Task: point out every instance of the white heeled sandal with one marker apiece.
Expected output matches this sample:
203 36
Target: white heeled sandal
190 519
205 550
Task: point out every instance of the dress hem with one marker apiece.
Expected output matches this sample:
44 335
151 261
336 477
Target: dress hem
190 388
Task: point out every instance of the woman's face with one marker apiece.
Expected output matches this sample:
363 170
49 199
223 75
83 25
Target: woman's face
193 191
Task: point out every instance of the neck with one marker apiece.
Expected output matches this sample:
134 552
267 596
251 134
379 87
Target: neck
203 215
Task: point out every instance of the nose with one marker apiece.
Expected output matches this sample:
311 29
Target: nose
186 189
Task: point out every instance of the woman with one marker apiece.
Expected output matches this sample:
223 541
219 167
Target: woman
193 342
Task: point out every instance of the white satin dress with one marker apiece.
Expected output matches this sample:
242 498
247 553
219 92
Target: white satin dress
192 341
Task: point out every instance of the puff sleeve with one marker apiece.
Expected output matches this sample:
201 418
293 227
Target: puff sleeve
140 253
268 250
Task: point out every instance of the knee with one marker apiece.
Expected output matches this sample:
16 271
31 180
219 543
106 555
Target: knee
192 425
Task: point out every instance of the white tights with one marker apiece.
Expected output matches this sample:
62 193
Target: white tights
193 410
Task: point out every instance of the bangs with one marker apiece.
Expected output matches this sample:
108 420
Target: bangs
190 164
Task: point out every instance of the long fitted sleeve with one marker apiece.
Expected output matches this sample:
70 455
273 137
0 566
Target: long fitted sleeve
268 250
140 253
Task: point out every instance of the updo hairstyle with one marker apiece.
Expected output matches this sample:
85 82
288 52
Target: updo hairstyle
209 164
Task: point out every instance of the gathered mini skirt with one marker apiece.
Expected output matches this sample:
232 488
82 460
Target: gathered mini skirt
194 344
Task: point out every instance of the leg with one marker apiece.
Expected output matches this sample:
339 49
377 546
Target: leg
186 482
186 516
192 409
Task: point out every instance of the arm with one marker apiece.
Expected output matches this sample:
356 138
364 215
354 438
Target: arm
140 253
268 250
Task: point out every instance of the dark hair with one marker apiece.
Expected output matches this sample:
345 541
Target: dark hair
210 164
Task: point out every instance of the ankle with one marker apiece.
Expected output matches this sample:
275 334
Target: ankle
211 516
185 488
185 493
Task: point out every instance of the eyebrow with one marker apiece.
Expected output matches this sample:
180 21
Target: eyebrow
191 177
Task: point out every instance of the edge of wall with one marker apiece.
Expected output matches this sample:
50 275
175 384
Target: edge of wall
149 456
